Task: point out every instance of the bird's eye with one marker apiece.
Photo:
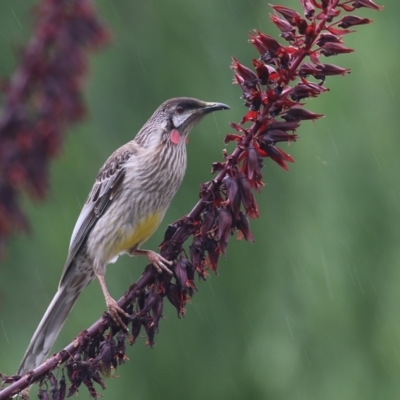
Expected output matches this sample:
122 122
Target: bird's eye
179 109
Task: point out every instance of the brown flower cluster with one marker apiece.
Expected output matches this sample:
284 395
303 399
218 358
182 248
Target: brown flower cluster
42 98
273 92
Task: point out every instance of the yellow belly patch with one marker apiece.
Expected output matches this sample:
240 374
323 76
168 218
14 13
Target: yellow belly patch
139 234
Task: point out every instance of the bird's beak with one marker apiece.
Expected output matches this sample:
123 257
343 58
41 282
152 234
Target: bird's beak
210 107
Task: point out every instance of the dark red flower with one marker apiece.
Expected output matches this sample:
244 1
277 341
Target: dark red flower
264 43
43 395
330 69
150 332
180 273
282 125
207 223
284 26
250 116
224 228
327 38
275 136
265 73
304 90
136 327
298 114
251 94
331 13
197 255
307 69
237 127
212 248
367 4
337 31
232 194
253 170
288 13
157 312
176 298
332 49
184 274
308 8
249 77
247 197
244 227
279 156
63 388
352 20
232 137
150 300
107 354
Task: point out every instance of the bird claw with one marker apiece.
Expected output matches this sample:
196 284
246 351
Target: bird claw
159 262
115 311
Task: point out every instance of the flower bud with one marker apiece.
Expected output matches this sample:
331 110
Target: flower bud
244 227
233 195
224 228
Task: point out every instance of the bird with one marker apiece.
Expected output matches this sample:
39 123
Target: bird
128 201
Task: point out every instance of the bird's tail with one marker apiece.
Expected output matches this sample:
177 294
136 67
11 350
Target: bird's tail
49 327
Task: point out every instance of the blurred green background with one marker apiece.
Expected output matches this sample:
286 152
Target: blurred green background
310 310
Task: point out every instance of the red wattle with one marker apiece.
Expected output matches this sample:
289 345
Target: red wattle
175 136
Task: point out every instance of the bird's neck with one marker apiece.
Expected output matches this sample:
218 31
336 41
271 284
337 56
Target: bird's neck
166 162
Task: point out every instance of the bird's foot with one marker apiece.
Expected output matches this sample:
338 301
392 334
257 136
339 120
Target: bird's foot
160 263
115 312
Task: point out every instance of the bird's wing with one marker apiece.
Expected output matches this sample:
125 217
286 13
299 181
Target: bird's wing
104 190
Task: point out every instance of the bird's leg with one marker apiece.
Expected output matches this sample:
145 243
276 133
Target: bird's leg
159 262
113 308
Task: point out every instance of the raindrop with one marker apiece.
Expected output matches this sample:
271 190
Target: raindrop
5 333
308 358
358 279
377 161
141 63
19 23
327 278
204 43
389 85
216 123
230 6
290 329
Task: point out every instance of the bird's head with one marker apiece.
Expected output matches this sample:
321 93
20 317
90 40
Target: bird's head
174 119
